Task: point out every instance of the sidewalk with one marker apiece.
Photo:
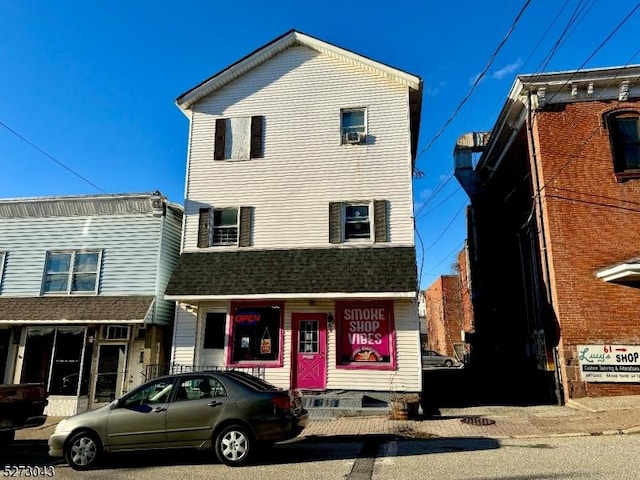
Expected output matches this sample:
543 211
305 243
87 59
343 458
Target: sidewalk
591 416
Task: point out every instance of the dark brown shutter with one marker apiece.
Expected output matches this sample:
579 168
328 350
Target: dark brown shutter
380 219
256 137
335 222
244 237
204 223
220 135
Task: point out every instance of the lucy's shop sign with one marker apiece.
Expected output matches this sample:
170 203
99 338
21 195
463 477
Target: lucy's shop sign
609 363
365 334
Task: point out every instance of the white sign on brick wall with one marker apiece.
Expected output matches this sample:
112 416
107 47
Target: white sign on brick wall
609 363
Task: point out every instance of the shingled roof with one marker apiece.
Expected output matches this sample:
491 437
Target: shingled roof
134 308
294 271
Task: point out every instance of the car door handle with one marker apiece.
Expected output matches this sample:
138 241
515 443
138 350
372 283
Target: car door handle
159 409
215 404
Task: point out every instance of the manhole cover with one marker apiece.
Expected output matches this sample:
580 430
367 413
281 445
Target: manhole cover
479 421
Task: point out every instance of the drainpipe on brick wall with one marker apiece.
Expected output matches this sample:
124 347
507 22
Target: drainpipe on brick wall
543 236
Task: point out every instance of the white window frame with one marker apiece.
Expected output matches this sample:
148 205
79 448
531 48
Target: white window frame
70 272
212 243
362 129
369 205
3 259
106 329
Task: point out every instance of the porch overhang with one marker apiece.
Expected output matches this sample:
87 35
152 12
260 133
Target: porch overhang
628 271
76 309
293 296
303 273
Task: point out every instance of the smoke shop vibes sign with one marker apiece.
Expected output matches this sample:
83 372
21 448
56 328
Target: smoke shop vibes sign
365 330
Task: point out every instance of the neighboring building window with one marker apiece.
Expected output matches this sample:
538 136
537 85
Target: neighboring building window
256 333
238 138
58 357
353 125
624 129
71 272
3 255
358 221
115 332
365 330
224 227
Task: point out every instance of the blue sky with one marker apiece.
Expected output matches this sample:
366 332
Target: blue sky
93 84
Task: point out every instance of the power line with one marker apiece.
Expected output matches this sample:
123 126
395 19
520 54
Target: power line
28 142
477 80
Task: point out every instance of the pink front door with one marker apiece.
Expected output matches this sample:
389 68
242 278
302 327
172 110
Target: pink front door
309 341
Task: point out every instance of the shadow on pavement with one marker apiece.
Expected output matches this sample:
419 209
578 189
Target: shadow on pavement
303 450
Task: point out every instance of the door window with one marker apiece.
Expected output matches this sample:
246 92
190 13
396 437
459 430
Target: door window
308 336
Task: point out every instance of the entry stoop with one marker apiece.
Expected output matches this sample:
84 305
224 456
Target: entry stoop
343 403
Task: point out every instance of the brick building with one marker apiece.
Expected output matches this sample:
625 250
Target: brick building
449 312
553 234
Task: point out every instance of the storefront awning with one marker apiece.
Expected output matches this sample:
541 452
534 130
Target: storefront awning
628 271
76 309
357 272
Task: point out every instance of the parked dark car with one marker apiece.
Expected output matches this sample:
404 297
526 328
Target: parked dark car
231 412
431 358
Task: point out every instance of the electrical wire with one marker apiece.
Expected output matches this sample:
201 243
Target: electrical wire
51 157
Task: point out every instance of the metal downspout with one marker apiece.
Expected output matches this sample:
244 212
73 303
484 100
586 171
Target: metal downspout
547 277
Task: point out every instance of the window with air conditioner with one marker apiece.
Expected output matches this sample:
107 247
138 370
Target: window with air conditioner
353 126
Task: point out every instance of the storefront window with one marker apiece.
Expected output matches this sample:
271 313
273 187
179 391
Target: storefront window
53 356
256 333
365 334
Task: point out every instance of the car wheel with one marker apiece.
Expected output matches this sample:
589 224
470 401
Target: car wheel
7 437
233 445
448 363
82 451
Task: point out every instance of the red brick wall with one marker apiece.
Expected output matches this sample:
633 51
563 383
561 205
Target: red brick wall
591 222
465 292
444 314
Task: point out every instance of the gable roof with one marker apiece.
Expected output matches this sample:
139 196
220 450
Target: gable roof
289 39
308 272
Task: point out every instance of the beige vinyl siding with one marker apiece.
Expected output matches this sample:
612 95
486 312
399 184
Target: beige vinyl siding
300 93
129 245
167 261
184 336
407 376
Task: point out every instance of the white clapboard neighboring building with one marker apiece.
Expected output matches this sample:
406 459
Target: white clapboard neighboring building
298 254
82 280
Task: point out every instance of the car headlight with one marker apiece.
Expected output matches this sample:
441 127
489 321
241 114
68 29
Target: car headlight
62 426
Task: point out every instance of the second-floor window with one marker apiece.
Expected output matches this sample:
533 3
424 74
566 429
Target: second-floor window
71 272
238 138
358 221
230 226
624 130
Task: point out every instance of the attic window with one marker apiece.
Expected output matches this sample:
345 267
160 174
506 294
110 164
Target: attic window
238 138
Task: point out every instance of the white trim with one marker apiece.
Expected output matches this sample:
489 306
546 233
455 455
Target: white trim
625 271
285 296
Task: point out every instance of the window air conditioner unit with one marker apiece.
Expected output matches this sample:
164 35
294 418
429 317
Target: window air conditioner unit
353 137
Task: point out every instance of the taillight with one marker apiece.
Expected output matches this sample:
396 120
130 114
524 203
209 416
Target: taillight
282 401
